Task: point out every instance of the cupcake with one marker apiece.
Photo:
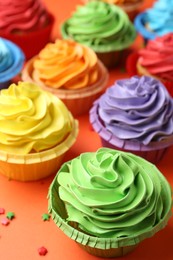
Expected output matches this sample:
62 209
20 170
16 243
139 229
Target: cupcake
11 62
26 23
135 115
155 21
103 27
36 129
161 64
131 7
69 70
108 201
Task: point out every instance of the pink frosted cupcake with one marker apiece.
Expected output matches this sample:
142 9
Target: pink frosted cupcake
69 70
135 115
26 23
160 66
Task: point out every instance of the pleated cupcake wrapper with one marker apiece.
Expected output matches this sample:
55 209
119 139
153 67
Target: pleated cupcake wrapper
57 210
78 101
140 25
131 67
31 43
153 152
39 165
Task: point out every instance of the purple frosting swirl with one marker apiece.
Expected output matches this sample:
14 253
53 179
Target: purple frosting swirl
139 108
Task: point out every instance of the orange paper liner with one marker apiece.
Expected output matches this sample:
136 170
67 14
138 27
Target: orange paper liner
35 166
104 247
77 101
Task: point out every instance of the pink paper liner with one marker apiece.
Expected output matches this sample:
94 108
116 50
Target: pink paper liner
77 101
35 166
31 43
132 70
153 152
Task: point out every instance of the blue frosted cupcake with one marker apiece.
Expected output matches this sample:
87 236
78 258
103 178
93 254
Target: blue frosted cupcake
11 62
156 21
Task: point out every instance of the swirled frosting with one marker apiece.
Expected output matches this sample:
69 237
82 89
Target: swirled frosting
139 108
113 194
159 17
31 120
11 60
161 51
22 16
66 64
101 26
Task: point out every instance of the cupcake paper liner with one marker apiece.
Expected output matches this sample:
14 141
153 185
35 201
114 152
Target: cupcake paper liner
103 247
152 152
77 101
131 67
35 166
31 43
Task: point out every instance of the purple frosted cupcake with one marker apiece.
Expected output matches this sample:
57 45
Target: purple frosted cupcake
135 115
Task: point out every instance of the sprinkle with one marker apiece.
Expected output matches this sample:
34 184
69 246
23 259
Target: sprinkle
5 221
42 250
2 211
10 215
45 217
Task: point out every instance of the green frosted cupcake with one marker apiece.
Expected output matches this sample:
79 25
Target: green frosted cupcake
103 27
109 201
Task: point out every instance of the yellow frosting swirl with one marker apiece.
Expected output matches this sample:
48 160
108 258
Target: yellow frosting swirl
66 64
31 120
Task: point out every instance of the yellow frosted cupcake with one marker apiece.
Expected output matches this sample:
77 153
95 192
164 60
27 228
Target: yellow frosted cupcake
36 129
69 70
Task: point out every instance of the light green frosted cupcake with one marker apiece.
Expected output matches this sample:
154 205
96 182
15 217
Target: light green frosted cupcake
109 201
103 27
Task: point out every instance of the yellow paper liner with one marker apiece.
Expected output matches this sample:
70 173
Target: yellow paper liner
104 247
35 166
77 101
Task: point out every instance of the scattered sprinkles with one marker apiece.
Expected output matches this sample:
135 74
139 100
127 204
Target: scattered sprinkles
10 215
45 217
5 221
42 250
2 210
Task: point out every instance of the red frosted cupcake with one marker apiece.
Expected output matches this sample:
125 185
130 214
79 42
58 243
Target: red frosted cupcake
155 60
26 23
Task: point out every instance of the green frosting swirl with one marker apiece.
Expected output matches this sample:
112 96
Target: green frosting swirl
114 194
101 26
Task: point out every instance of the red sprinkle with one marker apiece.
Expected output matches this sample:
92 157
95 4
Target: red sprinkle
2 211
5 221
42 251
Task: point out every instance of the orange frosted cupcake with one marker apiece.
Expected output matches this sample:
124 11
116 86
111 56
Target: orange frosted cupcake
36 129
69 70
26 23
